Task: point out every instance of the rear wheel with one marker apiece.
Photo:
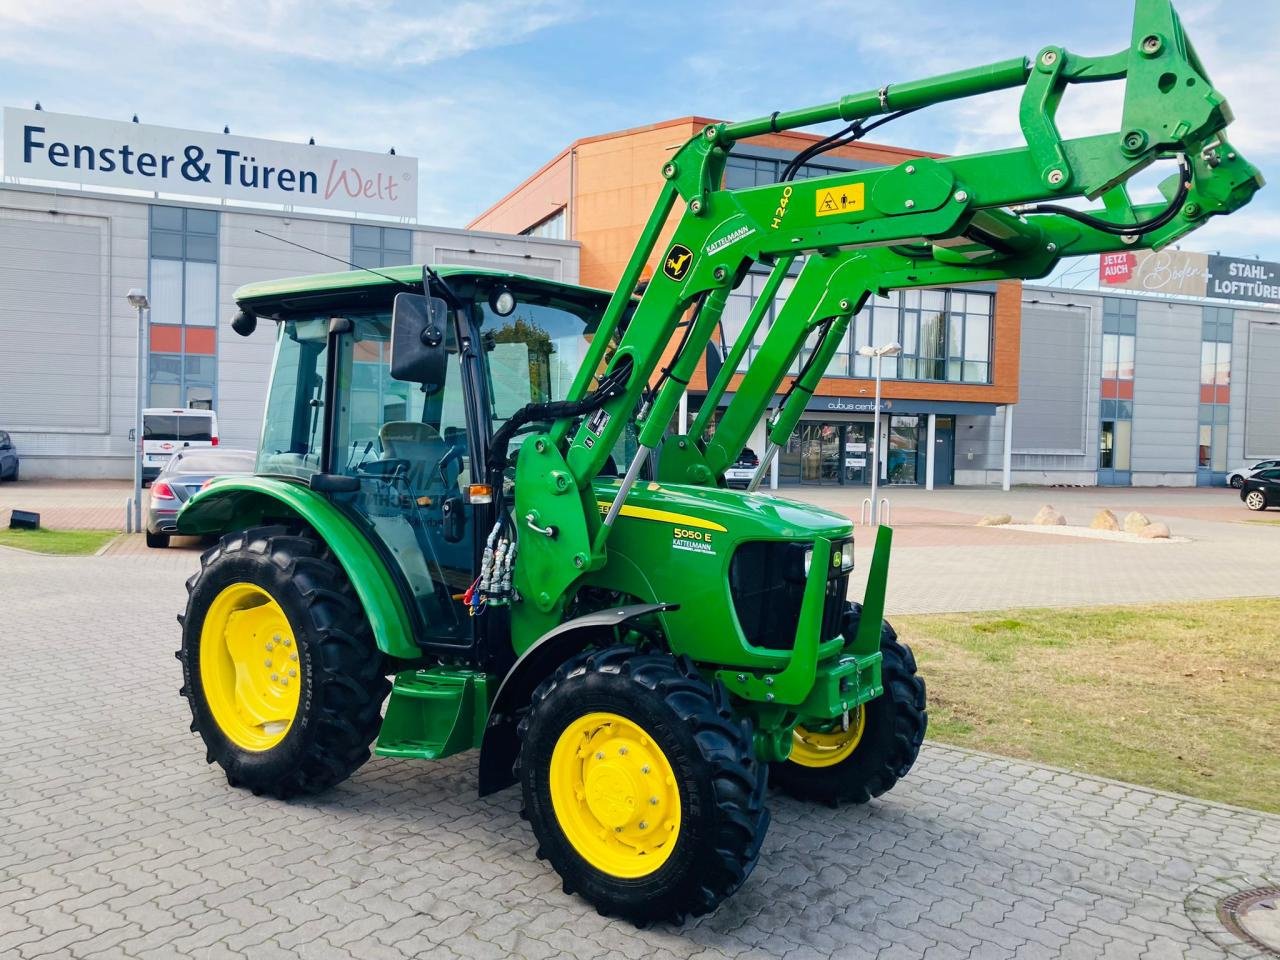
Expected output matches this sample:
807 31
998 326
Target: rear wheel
1255 500
279 666
833 764
641 787
1237 481
158 540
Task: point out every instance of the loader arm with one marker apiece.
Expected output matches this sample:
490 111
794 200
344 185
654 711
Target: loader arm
987 216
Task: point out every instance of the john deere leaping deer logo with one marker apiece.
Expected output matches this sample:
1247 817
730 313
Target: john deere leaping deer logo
677 261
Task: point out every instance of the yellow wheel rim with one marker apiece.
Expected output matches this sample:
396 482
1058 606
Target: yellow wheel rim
826 748
249 667
615 795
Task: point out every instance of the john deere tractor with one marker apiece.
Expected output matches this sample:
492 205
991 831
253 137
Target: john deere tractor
467 483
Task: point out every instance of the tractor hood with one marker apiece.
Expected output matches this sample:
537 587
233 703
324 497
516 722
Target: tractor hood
749 515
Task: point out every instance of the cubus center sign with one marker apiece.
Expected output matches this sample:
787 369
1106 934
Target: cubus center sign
39 145
1183 273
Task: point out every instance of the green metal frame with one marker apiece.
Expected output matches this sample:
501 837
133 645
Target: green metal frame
923 222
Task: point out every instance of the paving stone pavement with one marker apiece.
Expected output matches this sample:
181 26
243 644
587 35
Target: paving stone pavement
118 841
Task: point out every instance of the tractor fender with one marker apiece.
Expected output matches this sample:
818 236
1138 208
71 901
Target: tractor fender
501 741
235 503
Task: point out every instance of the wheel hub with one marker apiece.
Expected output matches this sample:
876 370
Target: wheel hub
615 795
828 743
249 667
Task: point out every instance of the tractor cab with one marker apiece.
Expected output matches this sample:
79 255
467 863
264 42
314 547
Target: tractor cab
405 456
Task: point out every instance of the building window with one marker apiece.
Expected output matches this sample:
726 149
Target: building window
183 290
1119 341
381 246
552 228
1215 388
945 334
742 172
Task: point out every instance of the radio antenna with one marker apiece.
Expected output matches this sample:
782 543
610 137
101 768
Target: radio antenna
332 256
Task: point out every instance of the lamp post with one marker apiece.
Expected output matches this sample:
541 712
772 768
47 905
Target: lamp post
879 353
138 300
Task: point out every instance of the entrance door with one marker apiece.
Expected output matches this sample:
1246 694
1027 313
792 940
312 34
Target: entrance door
1113 453
857 454
944 452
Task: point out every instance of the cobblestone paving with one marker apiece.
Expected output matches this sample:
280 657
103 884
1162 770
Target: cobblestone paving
117 841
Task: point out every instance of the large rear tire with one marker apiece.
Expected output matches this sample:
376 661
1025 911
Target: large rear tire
279 666
641 787
832 765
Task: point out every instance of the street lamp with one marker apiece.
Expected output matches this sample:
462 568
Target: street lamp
138 300
879 353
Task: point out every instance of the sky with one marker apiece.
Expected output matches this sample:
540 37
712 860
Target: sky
483 93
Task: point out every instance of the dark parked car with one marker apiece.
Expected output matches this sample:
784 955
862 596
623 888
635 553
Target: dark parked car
8 458
184 474
1261 490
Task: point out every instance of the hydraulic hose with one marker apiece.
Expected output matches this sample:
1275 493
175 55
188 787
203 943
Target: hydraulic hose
1119 229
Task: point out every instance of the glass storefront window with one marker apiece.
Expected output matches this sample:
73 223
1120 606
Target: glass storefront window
904 450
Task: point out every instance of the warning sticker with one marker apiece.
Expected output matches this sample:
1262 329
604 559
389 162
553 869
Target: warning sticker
844 199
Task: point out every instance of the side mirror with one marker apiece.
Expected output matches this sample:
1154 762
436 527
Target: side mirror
418 353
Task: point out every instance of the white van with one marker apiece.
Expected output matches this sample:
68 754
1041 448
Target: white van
166 431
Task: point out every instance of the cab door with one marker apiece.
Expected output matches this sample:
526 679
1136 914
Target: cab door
412 454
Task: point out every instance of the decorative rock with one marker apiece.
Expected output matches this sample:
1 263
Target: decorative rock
1105 520
1155 531
995 520
1049 517
1134 522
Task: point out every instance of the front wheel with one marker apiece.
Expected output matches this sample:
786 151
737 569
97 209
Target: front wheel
279 665
834 764
642 789
1255 500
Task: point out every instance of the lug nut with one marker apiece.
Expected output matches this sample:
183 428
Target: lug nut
284 681
267 662
644 825
270 647
599 754
275 676
293 673
293 656
622 751
653 801
645 768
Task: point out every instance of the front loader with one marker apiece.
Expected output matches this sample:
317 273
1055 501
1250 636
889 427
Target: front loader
466 483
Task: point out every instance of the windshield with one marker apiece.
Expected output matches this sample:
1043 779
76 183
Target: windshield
535 353
176 426
214 461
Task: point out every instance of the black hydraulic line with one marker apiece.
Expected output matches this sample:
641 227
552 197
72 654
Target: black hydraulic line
841 138
1121 229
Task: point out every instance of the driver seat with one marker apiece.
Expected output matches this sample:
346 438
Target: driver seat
420 445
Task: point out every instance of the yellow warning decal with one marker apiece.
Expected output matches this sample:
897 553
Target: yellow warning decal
846 199
663 516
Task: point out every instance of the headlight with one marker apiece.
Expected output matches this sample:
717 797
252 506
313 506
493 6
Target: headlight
846 557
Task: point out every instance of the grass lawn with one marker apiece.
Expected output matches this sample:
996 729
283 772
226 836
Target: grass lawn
62 542
1182 697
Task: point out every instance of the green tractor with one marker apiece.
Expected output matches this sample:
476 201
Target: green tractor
467 483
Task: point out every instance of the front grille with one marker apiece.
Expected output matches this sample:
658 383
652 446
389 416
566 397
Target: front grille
766 581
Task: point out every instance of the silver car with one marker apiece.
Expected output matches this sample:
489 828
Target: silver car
184 474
